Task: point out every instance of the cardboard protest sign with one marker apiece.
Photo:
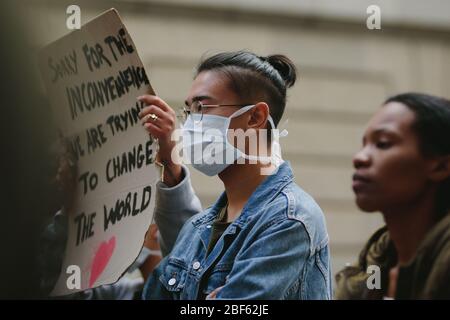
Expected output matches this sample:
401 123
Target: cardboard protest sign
93 76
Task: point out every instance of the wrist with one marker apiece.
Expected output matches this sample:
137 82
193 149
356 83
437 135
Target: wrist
171 173
165 156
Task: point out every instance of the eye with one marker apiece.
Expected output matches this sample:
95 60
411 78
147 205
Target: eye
383 144
196 107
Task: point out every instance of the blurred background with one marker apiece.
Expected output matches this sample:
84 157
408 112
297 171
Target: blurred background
345 73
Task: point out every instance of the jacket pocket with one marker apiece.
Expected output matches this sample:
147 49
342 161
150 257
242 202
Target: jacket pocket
173 279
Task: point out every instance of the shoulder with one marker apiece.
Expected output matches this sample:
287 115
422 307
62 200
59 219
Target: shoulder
302 207
294 206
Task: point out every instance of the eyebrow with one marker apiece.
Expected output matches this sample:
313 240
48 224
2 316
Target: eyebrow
384 130
197 98
380 131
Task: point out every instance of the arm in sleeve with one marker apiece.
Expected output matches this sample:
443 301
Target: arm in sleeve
174 206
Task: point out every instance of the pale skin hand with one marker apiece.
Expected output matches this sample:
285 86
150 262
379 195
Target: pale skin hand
213 294
151 242
162 129
66 177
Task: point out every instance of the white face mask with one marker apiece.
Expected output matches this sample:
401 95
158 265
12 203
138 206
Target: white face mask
206 146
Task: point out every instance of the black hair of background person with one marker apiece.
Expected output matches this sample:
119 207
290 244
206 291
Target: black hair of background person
431 125
26 193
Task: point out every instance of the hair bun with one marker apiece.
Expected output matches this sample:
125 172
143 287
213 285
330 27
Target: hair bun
284 66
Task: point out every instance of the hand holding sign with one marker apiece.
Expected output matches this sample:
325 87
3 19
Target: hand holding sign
161 126
159 120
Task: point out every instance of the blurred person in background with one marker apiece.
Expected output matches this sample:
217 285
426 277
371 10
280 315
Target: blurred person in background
26 132
403 171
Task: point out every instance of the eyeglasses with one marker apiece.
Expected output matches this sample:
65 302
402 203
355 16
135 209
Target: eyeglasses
197 107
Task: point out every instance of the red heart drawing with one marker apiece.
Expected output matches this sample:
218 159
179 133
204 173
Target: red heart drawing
101 259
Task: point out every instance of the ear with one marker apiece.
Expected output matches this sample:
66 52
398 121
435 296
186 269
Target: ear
259 115
440 169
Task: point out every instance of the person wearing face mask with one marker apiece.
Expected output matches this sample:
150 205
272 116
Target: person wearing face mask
264 237
403 171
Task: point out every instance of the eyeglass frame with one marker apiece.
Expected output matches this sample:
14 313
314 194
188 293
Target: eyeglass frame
187 112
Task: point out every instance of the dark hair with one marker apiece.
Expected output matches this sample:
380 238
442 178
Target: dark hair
256 78
432 125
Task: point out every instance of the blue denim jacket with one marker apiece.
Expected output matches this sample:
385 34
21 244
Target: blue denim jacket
277 249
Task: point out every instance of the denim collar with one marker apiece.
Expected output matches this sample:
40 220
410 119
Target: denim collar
263 194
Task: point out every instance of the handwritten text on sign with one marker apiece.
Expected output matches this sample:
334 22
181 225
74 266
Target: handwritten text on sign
93 76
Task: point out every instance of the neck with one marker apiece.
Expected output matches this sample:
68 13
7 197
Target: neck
409 224
240 181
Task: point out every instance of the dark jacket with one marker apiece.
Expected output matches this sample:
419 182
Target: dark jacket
427 276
